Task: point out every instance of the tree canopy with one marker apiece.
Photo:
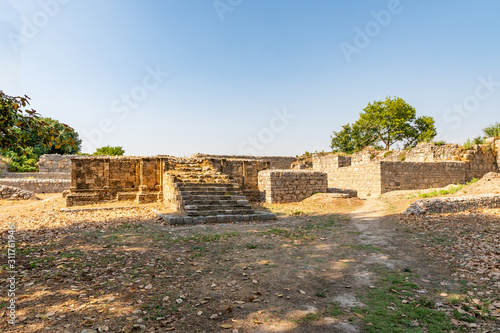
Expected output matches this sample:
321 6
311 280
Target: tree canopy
108 150
384 124
21 128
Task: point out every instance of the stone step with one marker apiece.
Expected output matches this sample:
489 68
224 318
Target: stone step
204 180
204 191
202 188
224 218
203 201
211 197
190 169
187 187
197 172
201 181
219 212
217 207
211 190
184 177
221 201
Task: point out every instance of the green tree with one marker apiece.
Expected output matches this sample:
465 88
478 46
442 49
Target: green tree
350 139
492 131
21 128
15 123
385 123
110 151
64 139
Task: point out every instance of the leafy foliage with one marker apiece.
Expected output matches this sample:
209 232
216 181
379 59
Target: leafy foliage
110 151
25 136
64 139
384 123
26 161
21 128
439 143
15 123
351 138
476 141
492 130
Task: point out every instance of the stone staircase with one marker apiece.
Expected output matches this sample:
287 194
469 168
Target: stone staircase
206 195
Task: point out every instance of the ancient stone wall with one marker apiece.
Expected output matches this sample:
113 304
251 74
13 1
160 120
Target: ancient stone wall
54 175
365 178
275 162
481 158
418 175
377 177
38 185
375 172
105 178
279 186
35 175
171 195
55 163
497 154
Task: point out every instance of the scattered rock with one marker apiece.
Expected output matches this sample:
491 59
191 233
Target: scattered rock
14 193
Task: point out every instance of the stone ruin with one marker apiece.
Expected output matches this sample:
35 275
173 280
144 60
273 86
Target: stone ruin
213 184
203 188
372 172
53 176
14 193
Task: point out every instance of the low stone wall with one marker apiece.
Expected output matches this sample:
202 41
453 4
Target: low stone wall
454 204
280 186
14 193
38 185
364 178
418 175
275 162
372 172
36 175
55 163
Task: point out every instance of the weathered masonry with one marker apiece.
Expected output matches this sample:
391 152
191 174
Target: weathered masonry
281 186
198 186
54 175
372 172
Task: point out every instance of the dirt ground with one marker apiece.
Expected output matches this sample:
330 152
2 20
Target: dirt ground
325 265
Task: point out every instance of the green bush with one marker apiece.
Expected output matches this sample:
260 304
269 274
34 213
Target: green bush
468 144
25 161
478 140
492 130
109 151
439 143
475 141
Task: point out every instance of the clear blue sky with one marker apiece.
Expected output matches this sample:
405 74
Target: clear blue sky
255 77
